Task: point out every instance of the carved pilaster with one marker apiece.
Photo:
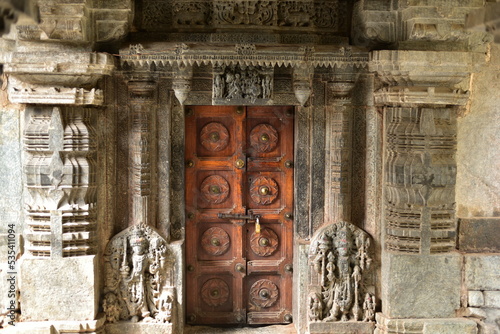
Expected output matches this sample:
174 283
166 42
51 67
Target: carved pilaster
339 149
142 143
61 182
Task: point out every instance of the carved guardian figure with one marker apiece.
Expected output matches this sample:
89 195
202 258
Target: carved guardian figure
340 259
138 276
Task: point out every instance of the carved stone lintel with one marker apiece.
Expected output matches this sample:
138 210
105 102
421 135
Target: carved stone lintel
139 277
421 95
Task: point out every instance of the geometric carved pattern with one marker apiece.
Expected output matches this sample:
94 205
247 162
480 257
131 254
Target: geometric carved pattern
215 241
264 138
420 179
264 190
264 243
214 137
264 293
215 189
215 292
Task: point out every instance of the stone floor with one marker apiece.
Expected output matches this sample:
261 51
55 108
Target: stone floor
279 329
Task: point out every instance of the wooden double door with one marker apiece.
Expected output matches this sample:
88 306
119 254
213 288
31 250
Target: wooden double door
239 203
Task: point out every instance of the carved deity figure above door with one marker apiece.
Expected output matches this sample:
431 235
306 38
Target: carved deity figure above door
239 202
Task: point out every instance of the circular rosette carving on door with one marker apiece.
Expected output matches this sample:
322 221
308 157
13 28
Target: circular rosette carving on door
215 189
264 190
215 241
214 136
264 138
264 243
264 293
215 292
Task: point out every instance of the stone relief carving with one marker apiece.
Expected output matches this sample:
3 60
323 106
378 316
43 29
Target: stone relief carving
246 84
192 13
139 277
341 259
245 12
420 177
61 182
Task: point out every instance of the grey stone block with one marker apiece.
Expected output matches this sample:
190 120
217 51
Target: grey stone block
492 299
476 298
421 286
479 235
482 272
341 327
387 325
139 328
59 289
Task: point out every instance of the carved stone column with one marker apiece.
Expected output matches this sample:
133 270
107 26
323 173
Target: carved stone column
421 271
142 156
339 152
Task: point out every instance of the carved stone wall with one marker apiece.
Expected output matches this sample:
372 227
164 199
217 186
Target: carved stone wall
420 180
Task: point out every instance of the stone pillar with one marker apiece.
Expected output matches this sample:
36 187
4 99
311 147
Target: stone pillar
421 271
338 152
142 144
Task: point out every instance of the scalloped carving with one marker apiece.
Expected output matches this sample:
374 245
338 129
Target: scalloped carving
214 137
264 293
264 243
215 189
264 138
264 190
215 241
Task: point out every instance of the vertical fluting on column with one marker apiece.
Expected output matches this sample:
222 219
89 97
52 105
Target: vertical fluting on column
142 130
339 153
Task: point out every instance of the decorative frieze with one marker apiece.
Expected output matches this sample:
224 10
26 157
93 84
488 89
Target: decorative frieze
420 178
173 53
321 15
239 84
139 277
340 285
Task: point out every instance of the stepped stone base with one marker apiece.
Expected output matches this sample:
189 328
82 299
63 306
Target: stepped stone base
339 327
57 327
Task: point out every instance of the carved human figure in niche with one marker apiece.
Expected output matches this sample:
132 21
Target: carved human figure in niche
340 258
219 86
315 307
137 273
369 308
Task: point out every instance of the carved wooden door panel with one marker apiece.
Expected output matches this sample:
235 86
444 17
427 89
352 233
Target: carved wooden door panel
239 202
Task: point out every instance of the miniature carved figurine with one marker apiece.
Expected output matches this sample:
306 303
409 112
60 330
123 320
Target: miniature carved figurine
369 307
242 82
315 307
340 258
136 275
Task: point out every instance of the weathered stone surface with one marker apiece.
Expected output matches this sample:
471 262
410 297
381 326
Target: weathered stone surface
482 272
59 289
478 235
478 181
421 286
476 298
139 328
56 327
387 325
492 299
342 328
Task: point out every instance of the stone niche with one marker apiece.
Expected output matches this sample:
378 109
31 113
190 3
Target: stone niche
139 281
341 284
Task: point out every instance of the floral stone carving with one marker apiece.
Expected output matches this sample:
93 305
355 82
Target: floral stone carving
340 289
138 277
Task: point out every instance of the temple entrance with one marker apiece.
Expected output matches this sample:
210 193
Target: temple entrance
239 205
